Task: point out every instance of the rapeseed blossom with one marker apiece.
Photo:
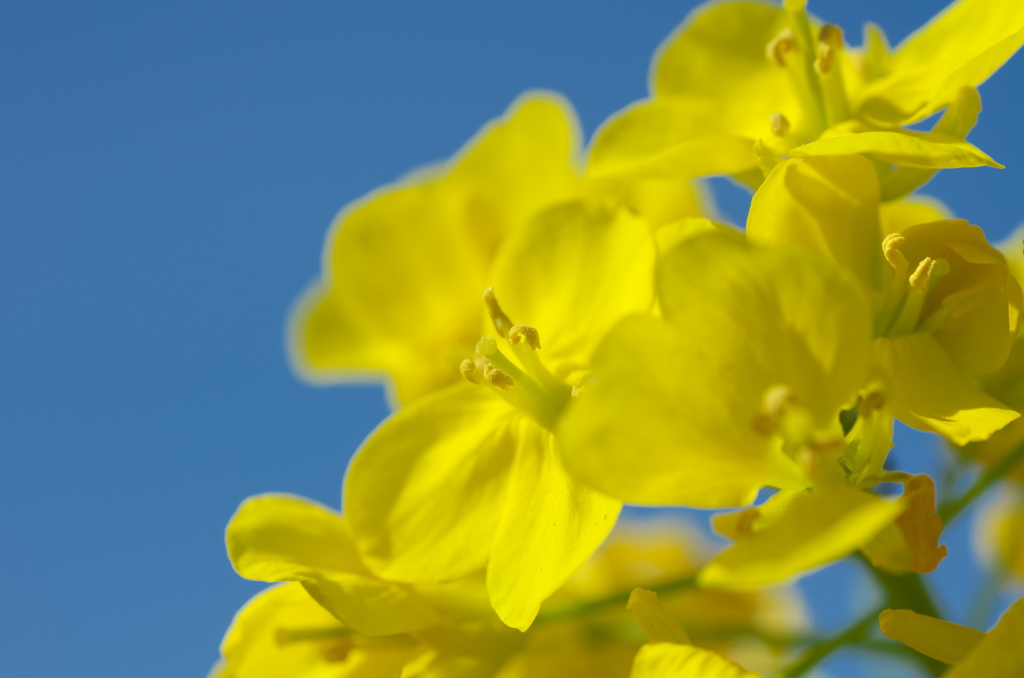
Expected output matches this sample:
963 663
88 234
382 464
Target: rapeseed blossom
742 83
563 335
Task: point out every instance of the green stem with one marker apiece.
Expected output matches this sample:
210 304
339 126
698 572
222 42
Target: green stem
908 592
903 591
621 598
819 651
951 509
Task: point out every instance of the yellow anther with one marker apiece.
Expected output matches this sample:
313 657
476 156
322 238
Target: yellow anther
487 346
927 273
875 400
776 398
469 372
336 650
525 332
497 378
830 42
779 123
774 403
891 249
784 42
498 317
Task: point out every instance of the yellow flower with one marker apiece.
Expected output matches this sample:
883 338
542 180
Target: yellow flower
336 618
1007 383
471 476
403 267
306 629
758 351
996 654
718 416
282 631
740 83
946 307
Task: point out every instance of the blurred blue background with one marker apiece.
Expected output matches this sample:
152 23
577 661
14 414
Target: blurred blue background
167 174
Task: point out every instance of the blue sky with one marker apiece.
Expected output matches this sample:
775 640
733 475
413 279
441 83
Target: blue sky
167 174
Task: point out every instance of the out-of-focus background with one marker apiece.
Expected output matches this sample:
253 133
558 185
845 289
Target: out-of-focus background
167 174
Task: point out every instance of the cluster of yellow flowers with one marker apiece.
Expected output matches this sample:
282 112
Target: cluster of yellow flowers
627 348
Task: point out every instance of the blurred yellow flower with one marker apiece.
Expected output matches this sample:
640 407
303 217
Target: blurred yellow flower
403 267
741 83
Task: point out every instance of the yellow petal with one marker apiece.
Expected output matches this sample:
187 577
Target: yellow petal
978 338
931 394
816 529
810 319
670 660
917 531
424 491
573 272
962 46
270 638
404 267
669 139
652 379
281 538
1000 654
899 215
906 148
958 120
827 204
718 55
938 639
551 526
658 201
741 524
689 451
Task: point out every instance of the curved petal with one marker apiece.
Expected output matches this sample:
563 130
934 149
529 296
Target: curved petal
259 644
660 660
404 267
812 323
979 335
424 491
962 46
272 535
718 55
931 394
252 649
911 543
282 538
827 204
646 432
907 148
899 215
817 528
670 139
1000 654
938 639
551 525
573 272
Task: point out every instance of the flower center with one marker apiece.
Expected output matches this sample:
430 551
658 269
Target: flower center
815 71
520 378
